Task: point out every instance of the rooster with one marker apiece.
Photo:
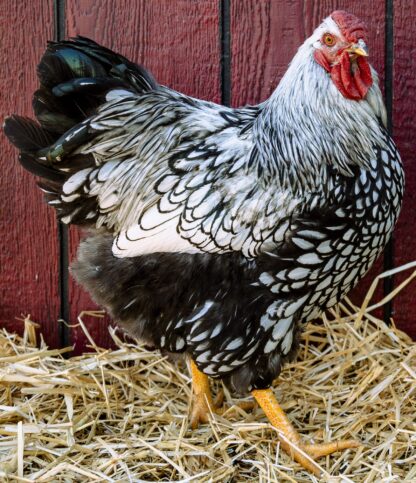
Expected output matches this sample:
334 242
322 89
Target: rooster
217 232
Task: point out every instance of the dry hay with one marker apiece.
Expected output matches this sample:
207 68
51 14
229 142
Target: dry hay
122 415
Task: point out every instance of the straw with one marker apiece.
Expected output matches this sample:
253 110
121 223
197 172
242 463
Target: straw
123 414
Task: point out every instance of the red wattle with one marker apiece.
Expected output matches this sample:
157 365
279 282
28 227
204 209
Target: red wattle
365 71
347 77
353 81
337 80
359 82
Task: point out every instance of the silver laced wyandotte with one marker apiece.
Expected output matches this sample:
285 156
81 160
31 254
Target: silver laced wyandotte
217 232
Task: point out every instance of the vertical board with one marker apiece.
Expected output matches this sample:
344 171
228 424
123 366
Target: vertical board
265 36
404 115
29 254
178 41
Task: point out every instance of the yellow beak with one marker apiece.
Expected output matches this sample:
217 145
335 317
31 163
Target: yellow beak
359 50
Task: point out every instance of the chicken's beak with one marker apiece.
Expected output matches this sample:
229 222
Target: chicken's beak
358 49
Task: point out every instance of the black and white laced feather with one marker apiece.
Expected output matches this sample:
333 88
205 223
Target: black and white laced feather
213 231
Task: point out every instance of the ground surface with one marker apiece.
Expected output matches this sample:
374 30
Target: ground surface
123 415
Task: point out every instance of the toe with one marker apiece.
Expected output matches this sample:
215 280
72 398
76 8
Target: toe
201 412
219 400
198 417
325 449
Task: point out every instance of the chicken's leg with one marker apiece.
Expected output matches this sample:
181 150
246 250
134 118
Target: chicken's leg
203 405
290 439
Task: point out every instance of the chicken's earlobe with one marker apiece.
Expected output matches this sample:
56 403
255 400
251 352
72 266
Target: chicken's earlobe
322 60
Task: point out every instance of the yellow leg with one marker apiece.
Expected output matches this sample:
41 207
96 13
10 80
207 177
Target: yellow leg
290 439
203 405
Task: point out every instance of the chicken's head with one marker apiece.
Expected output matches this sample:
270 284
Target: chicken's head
339 45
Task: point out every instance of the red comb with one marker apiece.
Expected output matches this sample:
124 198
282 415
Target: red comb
351 26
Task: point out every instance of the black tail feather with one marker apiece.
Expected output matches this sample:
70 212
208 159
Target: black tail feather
39 151
32 165
26 134
67 143
75 77
117 66
61 65
87 85
56 115
85 71
31 139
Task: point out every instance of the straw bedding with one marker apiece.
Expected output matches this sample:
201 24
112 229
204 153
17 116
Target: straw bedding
122 415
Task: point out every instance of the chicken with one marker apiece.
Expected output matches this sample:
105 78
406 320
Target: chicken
217 232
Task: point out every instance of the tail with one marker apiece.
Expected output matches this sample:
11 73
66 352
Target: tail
75 77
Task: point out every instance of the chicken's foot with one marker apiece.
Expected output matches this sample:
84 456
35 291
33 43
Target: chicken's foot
290 439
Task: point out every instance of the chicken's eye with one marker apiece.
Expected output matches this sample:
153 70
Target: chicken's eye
328 39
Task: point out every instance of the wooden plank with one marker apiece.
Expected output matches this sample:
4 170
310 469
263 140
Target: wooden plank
178 41
29 255
265 36
404 114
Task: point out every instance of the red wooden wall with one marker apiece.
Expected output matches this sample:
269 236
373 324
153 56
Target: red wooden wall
222 50
29 256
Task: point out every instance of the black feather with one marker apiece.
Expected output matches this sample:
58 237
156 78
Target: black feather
119 67
55 114
75 77
81 57
87 85
50 187
32 165
26 134
77 162
61 63
68 142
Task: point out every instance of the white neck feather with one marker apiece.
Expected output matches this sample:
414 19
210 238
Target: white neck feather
307 124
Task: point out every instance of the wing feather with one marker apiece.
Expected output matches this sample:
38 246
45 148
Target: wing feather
176 174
